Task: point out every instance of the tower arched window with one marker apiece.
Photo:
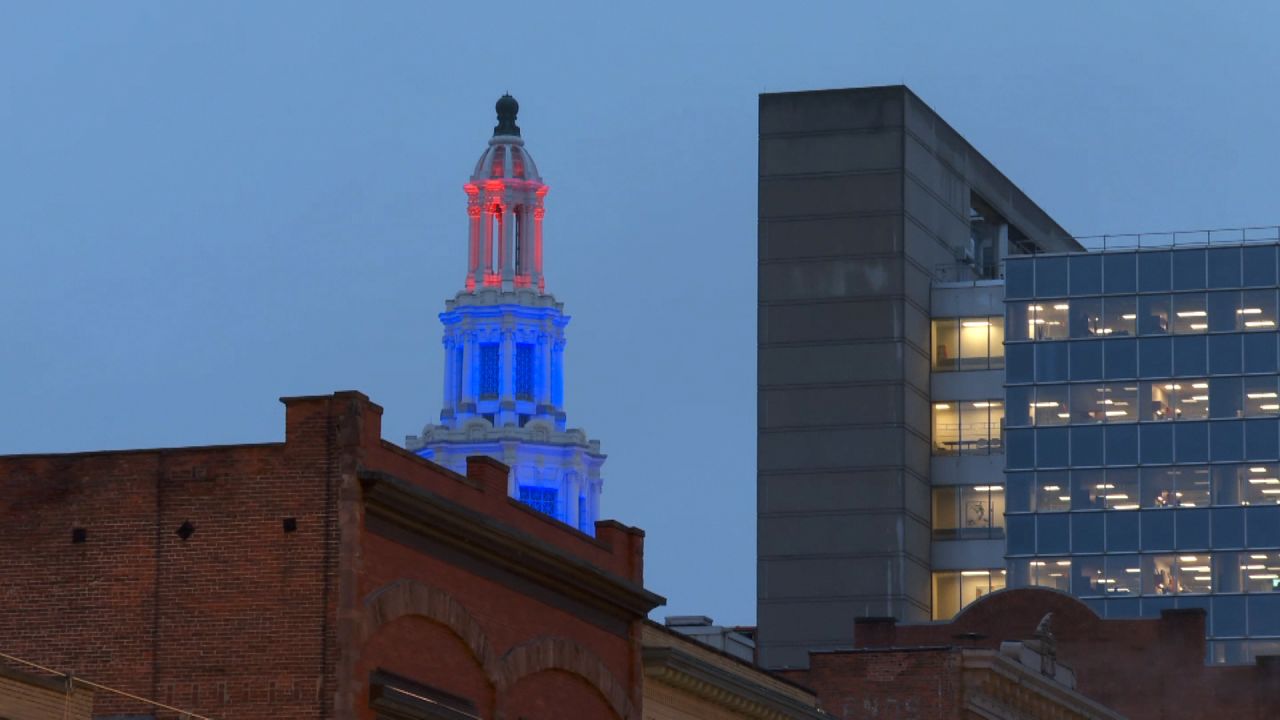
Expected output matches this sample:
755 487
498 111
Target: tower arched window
498 169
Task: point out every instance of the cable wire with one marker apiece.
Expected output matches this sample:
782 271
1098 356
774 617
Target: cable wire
71 680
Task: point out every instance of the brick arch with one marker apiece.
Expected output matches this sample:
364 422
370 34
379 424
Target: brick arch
1022 608
557 653
411 597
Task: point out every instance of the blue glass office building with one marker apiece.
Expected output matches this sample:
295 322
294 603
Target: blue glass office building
1142 434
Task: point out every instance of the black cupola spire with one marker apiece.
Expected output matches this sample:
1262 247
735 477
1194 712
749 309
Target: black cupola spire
507 108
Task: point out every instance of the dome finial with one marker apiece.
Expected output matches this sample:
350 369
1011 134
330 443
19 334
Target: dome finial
507 108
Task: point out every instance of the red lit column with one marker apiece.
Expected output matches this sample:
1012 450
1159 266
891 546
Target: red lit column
506 259
473 236
538 214
486 243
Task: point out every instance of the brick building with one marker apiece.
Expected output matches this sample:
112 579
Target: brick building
997 657
333 575
25 695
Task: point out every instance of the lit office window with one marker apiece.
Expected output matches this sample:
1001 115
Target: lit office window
968 512
1182 399
1190 314
1103 402
1177 574
1051 405
1248 484
953 590
1042 572
968 427
1119 316
972 343
1257 310
1040 320
1114 489
1260 397
1176 486
1249 571
1053 491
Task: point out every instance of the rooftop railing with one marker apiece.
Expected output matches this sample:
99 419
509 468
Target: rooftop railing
1182 238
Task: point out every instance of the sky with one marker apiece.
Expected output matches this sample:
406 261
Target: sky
206 206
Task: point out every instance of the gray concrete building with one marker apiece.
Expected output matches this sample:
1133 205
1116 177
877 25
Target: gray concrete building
875 217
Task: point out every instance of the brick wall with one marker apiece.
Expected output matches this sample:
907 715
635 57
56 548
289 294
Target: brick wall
915 684
227 622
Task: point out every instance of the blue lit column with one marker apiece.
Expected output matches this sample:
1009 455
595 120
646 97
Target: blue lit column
467 403
544 373
450 402
507 374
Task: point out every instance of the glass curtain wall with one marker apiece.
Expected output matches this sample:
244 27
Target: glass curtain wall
1142 439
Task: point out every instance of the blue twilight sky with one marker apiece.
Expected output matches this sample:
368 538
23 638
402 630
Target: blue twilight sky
207 205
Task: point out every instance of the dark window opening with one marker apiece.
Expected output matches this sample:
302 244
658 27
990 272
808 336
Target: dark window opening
489 368
539 498
397 698
524 371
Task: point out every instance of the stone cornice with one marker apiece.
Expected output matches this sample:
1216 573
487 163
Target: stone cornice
703 680
432 516
1001 687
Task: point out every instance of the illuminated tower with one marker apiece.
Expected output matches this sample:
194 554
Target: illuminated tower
504 346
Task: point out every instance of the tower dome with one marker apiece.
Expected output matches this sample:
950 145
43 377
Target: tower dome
506 158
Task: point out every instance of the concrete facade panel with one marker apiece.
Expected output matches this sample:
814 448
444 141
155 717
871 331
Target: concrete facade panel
915 457
853 578
968 299
830 278
935 216
830 195
834 153
946 185
830 364
837 534
917 284
968 554
832 491
917 413
818 112
915 366
930 252
851 236
916 327
824 406
873 319
967 469
833 448
973 385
